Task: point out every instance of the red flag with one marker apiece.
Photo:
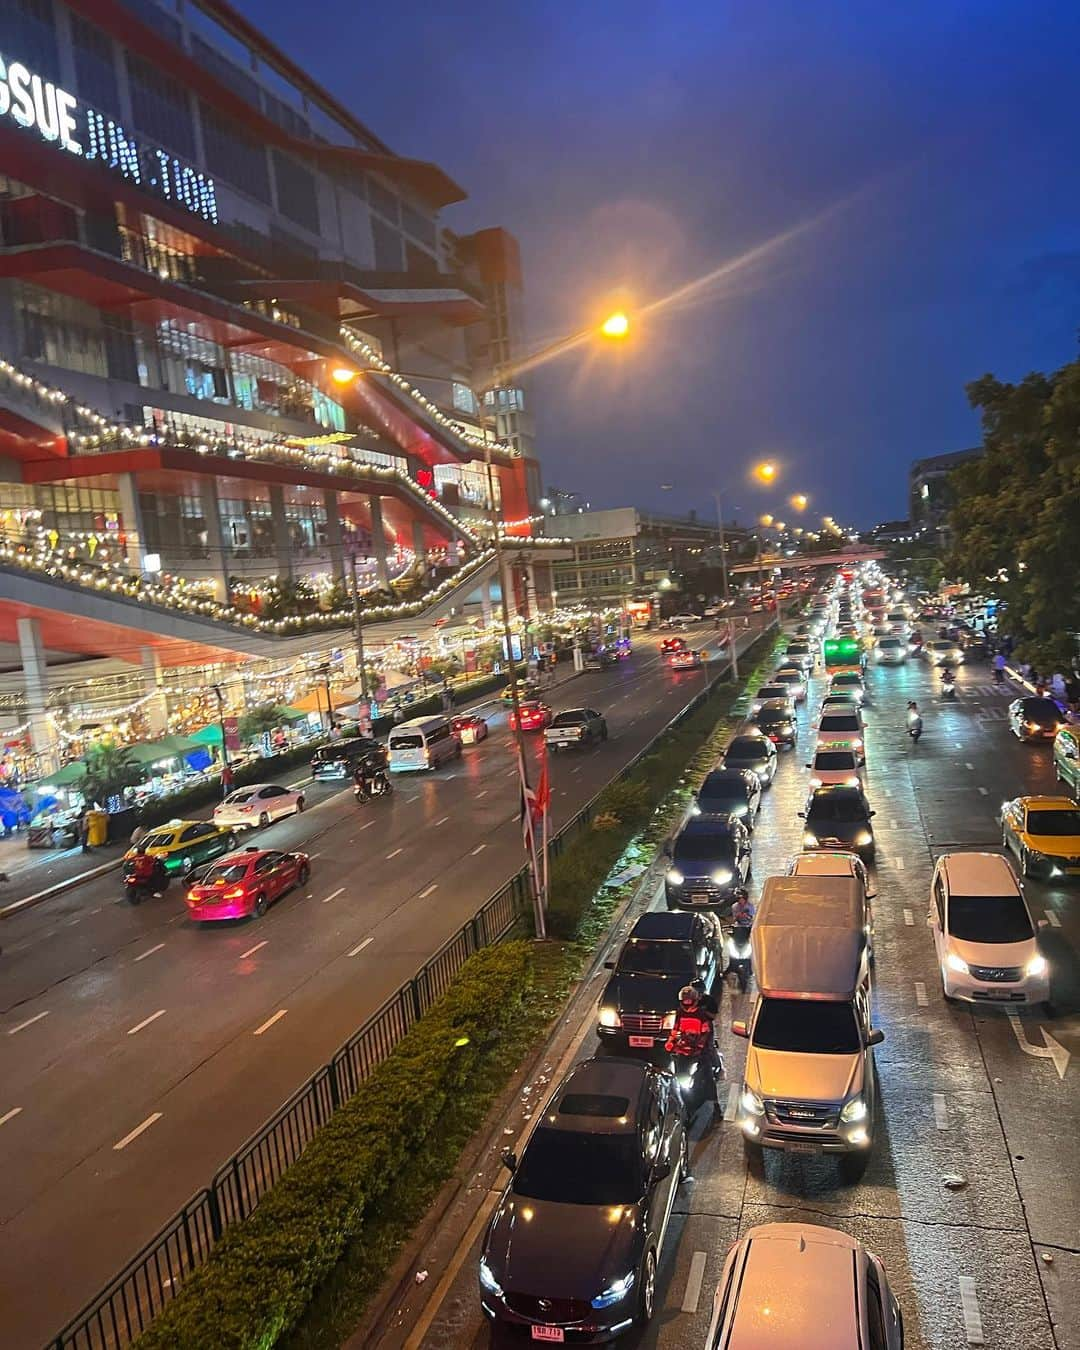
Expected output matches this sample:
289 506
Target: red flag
543 787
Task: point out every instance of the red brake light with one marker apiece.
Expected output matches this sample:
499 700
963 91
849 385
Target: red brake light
236 894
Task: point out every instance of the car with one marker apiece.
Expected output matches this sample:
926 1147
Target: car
834 764
469 728
943 652
771 691
984 936
839 816
687 659
535 716
341 759
848 681
1044 833
1067 757
600 658
665 950
890 651
729 792
708 863
672 644
754 751
800 653
684 620
244 885
258 805
841 727
845 698
575 726
572 1249
794 679
827 1288
1036 718
183 844
833 862
776 721
525 689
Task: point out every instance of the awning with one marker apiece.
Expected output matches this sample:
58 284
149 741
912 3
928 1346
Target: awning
68 776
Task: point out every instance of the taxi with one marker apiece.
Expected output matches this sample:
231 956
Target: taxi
1044 833
672 644
535 716
244 885
182 845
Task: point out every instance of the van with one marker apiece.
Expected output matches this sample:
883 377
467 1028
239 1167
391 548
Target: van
341 759
422 743
1067 757
809 1084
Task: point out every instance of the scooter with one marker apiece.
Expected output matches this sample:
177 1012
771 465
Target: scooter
378 785
696 1082
737 951
914 726
134 890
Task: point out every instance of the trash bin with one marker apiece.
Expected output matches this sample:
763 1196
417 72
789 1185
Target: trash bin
97 828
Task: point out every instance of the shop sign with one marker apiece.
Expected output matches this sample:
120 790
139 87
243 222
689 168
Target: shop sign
231 727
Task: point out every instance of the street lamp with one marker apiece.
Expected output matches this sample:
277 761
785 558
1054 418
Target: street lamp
616 325
800 501
765 472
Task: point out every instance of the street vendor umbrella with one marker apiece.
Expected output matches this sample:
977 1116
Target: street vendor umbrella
68 776
207 735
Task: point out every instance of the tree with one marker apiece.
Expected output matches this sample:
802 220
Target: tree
1016 519
256 720
109 770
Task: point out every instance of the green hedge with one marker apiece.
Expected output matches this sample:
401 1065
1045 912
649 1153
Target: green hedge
263 1273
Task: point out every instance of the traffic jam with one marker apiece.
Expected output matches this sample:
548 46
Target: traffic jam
744 1003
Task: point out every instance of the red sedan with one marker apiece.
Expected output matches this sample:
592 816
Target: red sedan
535 716
672 644
245 884
469 728
684 660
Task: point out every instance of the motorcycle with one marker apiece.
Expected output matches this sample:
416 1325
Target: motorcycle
914 726
737 951
948 683
696 1081
378 785
135 889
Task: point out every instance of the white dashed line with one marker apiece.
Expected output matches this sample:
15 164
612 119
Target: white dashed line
433 887
483 793
693 1283
270 1021
28 1023
478 849
921 999
1051 918
443 821
969 766
909 918
732 1101
984 792
334 894
146 1021
361 945
941 1111
150 951
10 1115
252 950
969 1306
367 824
394 853
123 1143
898 863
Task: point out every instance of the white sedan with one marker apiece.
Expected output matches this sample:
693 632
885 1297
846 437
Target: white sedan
258 805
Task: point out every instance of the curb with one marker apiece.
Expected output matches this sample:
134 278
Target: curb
58 888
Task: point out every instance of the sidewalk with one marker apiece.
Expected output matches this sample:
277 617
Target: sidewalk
32 872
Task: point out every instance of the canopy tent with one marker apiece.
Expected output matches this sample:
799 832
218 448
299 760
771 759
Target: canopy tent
68 776
147 753
316 700
211 733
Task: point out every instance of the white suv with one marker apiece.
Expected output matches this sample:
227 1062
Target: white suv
983 932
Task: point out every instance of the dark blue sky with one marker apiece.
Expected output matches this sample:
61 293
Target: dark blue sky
633 146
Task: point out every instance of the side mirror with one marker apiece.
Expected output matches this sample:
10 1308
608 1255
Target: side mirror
666 850
661 1172
509 1159
801 815
875 1037
870 813
609 965
1042 923
739 1028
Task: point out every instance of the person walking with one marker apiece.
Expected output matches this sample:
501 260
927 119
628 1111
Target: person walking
84 830
999 668
138 834
227 779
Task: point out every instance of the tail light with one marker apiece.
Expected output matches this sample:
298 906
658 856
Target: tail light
236 894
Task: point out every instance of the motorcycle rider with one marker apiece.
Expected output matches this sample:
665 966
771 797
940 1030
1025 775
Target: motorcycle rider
693 1037
742 918
145 872
914 721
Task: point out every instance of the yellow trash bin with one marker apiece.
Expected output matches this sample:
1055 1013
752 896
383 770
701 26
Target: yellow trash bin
97 828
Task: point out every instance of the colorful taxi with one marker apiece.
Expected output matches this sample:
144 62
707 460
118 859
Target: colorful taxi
182 845
1044 833
535 716
246 884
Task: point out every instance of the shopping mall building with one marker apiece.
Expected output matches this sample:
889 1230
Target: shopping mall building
239 350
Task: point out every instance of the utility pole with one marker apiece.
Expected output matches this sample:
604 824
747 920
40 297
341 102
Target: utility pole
224 740
727 593
355 589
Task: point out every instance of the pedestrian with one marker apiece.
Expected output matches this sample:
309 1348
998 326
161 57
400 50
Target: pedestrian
1057 686
137 834
84 829
999 667
226 779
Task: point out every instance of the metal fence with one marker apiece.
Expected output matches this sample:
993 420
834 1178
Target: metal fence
131 1301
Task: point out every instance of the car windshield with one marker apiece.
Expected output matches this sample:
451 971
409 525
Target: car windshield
746 748
839 722
645 956
852 681
889 643
704 848
1041 710
838 806
224 874
773 691
943 646
566 1168
244 795
834 759
769 716
988 918
329 753
1060 821
408 741
806 1027
157 840
789 677
569 719
722 797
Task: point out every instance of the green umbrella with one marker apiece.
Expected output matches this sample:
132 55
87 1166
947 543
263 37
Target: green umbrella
208 735
152 752
70 774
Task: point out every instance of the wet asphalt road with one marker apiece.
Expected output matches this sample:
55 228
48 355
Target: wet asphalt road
960 1095
138 1052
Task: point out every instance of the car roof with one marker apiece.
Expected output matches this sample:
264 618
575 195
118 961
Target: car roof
978 873
1058 803
676 924
721 777
825 863
605 1076
743 739
796 1266
704 826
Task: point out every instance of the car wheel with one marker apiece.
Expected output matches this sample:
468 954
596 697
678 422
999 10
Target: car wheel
260 906
303 874
231 842
299 805
647 1293
264 820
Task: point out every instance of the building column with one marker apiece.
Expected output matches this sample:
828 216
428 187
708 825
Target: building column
156 707
132 518
280 525
216 543
530 591
485 603
333 536
419 544
43 736
378 541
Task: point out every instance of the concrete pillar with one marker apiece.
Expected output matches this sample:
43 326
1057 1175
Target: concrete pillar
485 603
378 540
530 590
419 544
43 736
216 543
280 525
132 518
333 536
156 709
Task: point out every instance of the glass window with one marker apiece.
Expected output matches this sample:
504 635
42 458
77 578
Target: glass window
30 37
95 69
388 246
296 192
161 106
806 1027
580 1169
704 848
383 199
651 957
234 155
989 918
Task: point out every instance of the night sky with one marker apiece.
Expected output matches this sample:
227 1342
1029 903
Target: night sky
633 147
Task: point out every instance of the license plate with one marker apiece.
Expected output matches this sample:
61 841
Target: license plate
555 1335
641 1042
802 1147
700 897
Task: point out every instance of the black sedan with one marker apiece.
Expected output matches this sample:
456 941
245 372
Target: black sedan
730 792
776 722
839 817
572 1249
752 751
1035 719
665 951
708 863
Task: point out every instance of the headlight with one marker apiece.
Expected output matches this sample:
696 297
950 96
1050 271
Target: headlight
722 876
863 838
609 1017
1036 966
851 782
857 744
740 810
815 782
668 1024
751 1103
675 876
695 810
810 840
618 1289
488 1280
854 1110
956 963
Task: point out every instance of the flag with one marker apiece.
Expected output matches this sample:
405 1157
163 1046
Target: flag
528 813
543 786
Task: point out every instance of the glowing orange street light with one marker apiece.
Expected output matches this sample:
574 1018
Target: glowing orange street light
766 521
765 472
616 325
343 375
800 501
780 525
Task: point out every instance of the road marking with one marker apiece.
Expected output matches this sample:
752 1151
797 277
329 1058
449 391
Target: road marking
146 1021
394 854
333 895
439 1293
28 1023
892 825
969 766
150 1120
252 950
909 918
941 1111
478 849
732 1104
898 863
969 1306
443 821
481 794
367 824
1051 918
150 951
693 1283
1053 1049
576 768
433 887
361 945
270 1021
921 998
984 792
10 1115
958 745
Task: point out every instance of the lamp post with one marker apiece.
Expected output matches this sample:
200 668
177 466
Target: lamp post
224 739
734 655
357 621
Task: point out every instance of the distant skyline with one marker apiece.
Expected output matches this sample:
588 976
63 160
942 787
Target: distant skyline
632 147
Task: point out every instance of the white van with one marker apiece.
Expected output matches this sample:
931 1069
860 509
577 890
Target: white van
422 743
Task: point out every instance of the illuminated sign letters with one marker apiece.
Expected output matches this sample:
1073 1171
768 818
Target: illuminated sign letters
56 116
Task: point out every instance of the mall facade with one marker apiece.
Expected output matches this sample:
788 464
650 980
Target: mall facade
239 348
